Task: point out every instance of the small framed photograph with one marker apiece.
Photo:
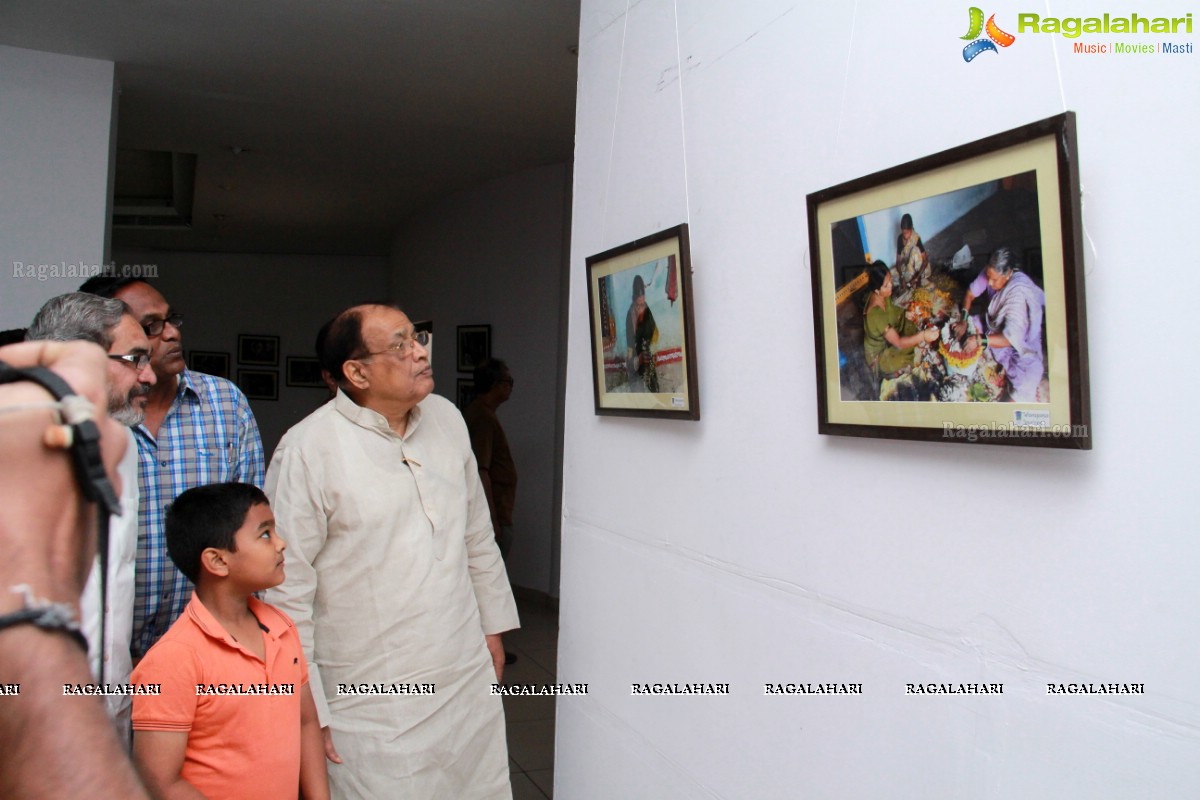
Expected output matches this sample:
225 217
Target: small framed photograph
304 372
259 384
948 296
474 345
466 393
258 350
643 332
209 362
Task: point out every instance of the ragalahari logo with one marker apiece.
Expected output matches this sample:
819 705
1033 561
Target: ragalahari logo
995 36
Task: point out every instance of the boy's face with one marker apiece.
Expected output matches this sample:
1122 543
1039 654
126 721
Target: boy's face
257 563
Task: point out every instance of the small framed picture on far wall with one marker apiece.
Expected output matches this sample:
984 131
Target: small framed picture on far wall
259 384
474 345
209 362
258 350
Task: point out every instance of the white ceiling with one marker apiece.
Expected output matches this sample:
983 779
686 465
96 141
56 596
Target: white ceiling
349 115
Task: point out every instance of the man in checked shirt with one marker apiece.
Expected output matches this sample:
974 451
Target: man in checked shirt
199 429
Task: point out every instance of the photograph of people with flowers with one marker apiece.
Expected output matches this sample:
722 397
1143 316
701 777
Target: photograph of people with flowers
946 300
948 293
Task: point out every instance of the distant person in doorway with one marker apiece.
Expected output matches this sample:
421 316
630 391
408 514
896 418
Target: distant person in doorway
497 471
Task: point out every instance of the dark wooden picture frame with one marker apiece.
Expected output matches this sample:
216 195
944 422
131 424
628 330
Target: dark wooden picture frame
304 373
474 345
258 350
259 384
209 362
642 327
466 393
1017 189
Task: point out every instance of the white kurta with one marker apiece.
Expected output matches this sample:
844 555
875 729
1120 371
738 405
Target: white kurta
118 623
394 577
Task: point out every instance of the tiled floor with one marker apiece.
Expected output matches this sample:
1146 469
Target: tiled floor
531 719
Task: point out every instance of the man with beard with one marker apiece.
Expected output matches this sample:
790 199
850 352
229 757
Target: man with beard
110 324
199 429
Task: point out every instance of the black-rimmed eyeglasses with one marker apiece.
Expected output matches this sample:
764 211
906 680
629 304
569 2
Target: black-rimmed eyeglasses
138 361
155 326
402 348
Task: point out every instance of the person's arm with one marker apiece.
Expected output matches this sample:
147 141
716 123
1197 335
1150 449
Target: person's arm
295 498
495 646
50 745
989 340
314 778
489 580
482 438
896 340
250 460
159 756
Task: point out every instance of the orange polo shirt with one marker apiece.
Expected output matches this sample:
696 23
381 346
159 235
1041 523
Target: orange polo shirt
241 714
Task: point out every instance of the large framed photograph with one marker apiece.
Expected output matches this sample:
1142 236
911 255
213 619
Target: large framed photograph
209 362
259 384
948 296
643 332
258 350
474 345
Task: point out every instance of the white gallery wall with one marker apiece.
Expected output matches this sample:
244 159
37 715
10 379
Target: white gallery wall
494 255
57 123
745 548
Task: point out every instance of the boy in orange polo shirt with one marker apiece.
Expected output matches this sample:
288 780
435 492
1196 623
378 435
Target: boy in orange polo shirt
235 717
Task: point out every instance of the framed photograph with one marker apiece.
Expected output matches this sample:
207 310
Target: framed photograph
466 393
209 362
643 333
304 372
258 350
474 345
259 384
948 296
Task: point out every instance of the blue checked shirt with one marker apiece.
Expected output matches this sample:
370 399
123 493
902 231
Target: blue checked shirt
209 436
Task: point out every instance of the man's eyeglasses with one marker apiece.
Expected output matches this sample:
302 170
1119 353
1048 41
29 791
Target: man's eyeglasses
155 326
402 348
138 361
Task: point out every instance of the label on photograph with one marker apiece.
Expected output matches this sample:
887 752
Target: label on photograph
1032 419
677 402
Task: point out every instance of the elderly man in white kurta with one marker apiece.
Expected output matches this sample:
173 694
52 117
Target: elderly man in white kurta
393 575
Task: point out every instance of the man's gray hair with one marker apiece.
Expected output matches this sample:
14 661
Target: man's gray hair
78 316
